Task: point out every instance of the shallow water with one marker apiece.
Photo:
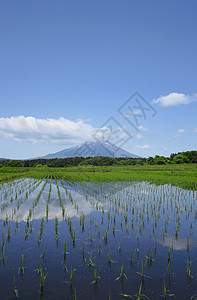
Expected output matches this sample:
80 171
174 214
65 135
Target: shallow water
105 226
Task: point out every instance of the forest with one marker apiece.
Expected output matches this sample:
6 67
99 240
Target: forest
174 158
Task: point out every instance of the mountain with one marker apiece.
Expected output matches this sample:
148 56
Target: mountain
92 149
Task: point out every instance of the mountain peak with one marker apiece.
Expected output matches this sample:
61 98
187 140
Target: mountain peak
92 149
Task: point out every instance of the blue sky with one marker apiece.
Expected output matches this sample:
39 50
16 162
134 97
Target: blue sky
66 67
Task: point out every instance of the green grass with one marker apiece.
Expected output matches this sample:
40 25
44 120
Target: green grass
184 175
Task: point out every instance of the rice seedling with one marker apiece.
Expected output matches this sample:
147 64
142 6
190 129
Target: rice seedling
189 264
56 229
28 221
65 253
21 269
109 295
63 210
42 280
83 222
149 257
100 250
126 218
71 273
73 237
15 289
30 227
109 258
142 270
119 246
3 253
122 274
105 236
75 294
169 258
47 210
91 237
43 255
26 233
114 231
90 262
131 258
96 277
176 230
38 270
165 294
9 233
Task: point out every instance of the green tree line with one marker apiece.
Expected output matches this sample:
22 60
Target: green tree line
175 158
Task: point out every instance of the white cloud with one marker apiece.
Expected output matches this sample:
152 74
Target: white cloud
58 131
139 136
175 99
141 128
143 147
179 133
112 133
195 130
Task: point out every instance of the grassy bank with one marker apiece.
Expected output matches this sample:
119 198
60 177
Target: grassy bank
184 175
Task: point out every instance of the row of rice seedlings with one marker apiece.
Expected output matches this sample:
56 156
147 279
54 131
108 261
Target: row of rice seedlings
82 222
41 231
61 203
3 253
48 200
126 217
12 197
35 185
63 185
40 193
121 273
65 253
37 199
11 188
16 189
56 230
71 230
83 191
70 198
50 189
17 203
58 190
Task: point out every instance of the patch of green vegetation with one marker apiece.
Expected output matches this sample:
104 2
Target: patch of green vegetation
11 173
183 175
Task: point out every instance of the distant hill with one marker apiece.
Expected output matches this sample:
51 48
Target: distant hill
92 149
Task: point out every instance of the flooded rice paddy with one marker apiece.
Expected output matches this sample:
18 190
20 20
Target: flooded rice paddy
80 240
